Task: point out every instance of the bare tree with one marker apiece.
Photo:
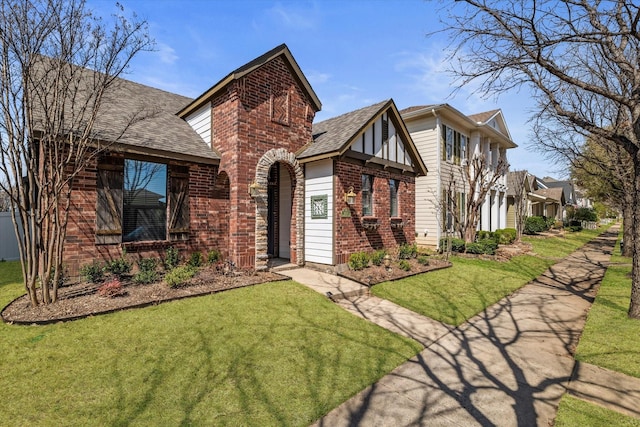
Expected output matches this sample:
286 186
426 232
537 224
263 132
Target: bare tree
579 57
58 63
518 187
604 170
466 191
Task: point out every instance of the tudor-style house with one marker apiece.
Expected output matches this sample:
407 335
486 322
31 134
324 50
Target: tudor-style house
447 140
244 170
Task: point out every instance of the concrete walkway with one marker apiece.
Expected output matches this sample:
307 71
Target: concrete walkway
509 365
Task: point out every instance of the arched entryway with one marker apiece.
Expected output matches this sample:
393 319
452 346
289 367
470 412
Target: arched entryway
279 208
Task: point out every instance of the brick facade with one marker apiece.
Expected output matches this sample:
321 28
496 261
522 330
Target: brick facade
262 111
350 235
208 229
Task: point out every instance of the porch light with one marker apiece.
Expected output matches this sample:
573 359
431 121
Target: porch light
350 197
254 189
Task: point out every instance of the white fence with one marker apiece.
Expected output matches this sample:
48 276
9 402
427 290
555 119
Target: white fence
8 242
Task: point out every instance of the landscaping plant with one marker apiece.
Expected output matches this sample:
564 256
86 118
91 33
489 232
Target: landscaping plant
359 261
378 257
92 273
180 275
171 258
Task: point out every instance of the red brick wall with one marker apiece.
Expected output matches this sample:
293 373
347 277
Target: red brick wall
243 130
208 222
349 234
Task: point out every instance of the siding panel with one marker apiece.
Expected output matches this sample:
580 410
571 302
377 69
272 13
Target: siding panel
318 235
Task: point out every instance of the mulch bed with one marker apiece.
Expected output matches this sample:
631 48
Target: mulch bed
82 300
373 275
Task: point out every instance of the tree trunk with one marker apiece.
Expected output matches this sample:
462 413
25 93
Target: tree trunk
634 304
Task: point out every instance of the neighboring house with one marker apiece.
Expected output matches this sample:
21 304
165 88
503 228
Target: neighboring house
243 169
446 139
525 182
559 194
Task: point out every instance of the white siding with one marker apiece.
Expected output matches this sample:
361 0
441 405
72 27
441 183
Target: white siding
318 233
200 121
424 135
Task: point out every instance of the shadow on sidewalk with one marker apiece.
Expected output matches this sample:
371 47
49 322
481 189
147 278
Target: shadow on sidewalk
509 365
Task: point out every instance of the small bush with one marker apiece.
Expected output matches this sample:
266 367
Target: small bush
484 235
486 246
403 264
424 260
574 228
180 275
147 264
171 258
535 225
377 257
93 272
195 260
213 256
457 245
506 236
144 277
119 267
407 251
359 261
585 214
111 289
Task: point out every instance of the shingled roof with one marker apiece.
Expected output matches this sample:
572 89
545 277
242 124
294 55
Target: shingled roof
483 117
134 117
332 135
162 132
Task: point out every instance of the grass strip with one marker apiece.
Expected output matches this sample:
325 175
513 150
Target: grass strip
272 354
456 294
610 337
574 412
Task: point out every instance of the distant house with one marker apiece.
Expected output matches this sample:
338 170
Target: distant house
243 169
522 181
446 139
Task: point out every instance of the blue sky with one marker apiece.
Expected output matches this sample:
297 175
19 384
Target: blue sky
354 54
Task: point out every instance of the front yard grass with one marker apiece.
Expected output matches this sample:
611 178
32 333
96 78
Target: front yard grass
574 412
272 354
456 294
610 338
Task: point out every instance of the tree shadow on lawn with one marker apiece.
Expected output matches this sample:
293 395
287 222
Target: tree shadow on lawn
509 365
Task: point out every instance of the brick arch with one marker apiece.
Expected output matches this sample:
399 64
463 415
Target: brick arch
262 172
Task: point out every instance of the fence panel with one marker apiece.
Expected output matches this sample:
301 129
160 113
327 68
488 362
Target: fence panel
8 241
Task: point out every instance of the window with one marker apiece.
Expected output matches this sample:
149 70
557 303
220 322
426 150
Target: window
367 195
140 200
454 145
144 210
393 197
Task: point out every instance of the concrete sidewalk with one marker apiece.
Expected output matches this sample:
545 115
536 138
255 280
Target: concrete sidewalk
507 366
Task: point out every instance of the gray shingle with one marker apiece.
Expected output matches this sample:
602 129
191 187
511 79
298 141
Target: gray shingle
332 135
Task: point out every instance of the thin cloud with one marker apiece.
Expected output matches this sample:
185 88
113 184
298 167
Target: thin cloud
317 77
293 17
166 54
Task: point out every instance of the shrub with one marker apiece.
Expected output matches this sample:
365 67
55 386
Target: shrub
457 245
147 264
574 228
407 251
505 236
424 260
145 277
378 257
178 276
171 258
585 214
550 222
195 260
93 272
119 267
483 235
534 224
404 265
486 246
112 288
359 261
213 256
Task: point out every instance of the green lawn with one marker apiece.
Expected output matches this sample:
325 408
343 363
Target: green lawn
578 413
610 338
455 294
272 354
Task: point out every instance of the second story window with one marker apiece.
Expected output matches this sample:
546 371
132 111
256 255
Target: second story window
393 197
367 195
454 145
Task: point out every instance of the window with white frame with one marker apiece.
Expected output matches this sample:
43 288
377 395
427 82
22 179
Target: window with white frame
454 147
